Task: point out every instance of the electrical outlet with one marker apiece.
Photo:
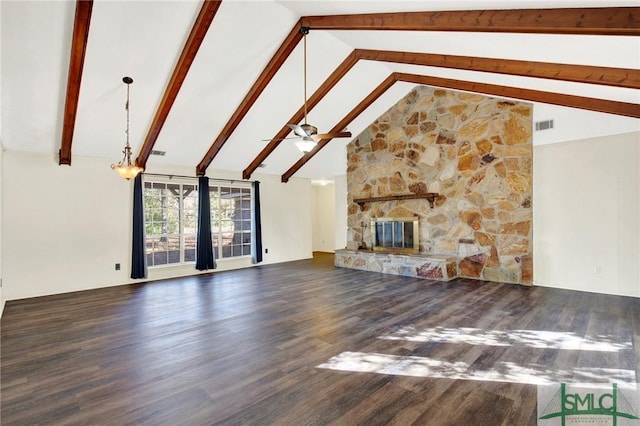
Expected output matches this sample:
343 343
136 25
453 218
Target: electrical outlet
117 266
597 270
266 251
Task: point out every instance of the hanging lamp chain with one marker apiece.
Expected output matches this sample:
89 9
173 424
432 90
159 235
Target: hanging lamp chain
127 147
126 107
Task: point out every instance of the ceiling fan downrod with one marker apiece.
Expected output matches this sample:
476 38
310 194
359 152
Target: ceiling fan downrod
304 31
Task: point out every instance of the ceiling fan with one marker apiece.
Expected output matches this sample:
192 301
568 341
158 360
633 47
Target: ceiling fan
307 133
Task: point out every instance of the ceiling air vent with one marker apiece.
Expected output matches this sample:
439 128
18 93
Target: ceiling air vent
544 125
160 153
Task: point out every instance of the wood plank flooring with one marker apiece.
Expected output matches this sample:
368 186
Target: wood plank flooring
305 343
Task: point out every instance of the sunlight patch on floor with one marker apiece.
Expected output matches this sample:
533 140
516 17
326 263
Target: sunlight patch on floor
414 366
540 339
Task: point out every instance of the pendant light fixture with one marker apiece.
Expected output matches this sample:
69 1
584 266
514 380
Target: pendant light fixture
125 167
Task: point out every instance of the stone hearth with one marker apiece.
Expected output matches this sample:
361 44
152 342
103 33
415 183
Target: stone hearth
432 267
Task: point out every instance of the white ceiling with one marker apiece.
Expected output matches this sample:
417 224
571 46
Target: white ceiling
143 39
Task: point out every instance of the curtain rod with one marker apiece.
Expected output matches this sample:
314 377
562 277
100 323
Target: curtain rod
196 177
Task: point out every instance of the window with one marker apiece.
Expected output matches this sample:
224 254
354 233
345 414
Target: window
171 221
171 212
230 221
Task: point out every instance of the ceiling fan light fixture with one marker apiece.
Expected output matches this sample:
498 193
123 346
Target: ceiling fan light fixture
125 168
305 145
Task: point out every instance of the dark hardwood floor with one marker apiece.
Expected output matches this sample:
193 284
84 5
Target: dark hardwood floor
304 343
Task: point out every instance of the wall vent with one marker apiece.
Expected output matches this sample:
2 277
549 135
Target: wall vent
162 153
544 125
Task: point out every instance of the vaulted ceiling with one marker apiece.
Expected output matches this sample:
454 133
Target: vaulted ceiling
215 83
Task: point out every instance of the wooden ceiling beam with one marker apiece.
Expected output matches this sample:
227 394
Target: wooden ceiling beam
281 55
192 45
592 21
618 77
572 101
355 112
317 96
74 80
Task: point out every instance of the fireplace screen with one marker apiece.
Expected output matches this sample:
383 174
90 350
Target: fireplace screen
397 233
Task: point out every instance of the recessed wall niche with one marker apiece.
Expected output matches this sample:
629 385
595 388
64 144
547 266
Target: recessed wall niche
476 153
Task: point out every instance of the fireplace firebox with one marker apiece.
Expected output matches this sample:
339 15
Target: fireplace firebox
395 234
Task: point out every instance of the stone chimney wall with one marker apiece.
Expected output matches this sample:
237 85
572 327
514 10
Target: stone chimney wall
476 152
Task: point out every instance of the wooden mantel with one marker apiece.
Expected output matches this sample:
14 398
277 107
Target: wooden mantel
430 196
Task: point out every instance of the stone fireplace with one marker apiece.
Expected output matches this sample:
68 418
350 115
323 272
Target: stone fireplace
474 154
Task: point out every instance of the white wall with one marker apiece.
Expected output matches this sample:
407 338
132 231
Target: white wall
1 152
586 211
340 188
286 218
64 228
2 299
324 214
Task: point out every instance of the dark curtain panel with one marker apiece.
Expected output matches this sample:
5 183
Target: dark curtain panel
204 247
138 256
256 249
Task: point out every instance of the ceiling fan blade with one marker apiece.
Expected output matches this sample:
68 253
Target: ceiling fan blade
279 139
321 136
